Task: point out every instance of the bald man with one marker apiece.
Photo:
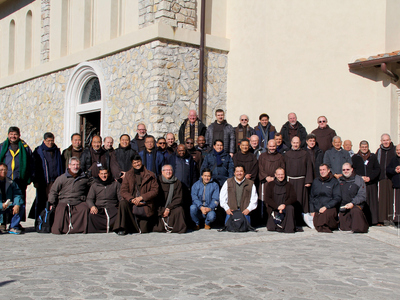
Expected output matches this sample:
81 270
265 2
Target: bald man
293 128
299 172
192 127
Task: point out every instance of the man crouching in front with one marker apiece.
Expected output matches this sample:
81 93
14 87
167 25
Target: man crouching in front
68 194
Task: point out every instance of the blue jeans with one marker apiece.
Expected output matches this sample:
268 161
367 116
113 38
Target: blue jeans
196 215
15 219
247 217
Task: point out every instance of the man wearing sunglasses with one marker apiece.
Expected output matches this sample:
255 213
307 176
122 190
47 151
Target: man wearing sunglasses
324 134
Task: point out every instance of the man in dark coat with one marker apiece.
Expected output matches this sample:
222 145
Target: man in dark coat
191 127
247 159
255 147
184 166
385 153
202 146
12 207
139 189
196 155
291 129
315 153
95 157
162 147
243 130
279 198
152 159
170 216
18 157
103 199
124 153
336 157
280 146
351 216
393 172
264 130
325 198
137 143
267 165
221 130
74 150
366 165
48 166
219 162
299 172
68 194
171 144
324 134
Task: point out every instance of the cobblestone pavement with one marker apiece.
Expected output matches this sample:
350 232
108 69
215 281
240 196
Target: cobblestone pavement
202 264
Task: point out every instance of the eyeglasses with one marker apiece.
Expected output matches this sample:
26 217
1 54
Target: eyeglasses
189 143
142 129
322 121
243 120
160 143
346 169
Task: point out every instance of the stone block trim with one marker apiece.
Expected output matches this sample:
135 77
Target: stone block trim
45 31
176 13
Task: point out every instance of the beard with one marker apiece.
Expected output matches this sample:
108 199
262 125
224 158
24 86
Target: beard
74 171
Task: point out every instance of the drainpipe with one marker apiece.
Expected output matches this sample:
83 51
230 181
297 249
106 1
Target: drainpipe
201 67
389 73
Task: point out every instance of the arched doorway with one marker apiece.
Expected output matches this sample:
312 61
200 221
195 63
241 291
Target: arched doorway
84 102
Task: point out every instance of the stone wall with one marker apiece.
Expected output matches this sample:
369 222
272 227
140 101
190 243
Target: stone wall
177 13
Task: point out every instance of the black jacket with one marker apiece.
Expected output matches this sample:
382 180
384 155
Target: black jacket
324 193
371 169
301 133
201 129
391 172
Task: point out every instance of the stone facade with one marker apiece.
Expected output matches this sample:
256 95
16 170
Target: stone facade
156 83
177 13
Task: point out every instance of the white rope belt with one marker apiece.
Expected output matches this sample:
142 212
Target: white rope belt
299 177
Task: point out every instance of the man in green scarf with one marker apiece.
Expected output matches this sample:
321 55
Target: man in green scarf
17 155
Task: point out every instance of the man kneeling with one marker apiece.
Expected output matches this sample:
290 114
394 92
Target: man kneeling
103 199
238 193
351 216
68 193
279 198
170 215
13 204
324 199
139 188
205 199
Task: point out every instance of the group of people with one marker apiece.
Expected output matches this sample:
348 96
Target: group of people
285 179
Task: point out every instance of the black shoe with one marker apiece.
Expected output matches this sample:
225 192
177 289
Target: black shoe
121 232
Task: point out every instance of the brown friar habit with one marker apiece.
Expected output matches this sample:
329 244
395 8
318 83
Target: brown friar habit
277 193
105 195
324 137
299 173
68 193
368 165
249 161
385 186
148 188
267 165
175 222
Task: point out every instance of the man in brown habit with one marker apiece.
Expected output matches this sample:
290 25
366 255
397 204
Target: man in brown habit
170 215
299 172
268 162
247 159
139 189
279 199
384 154
68 194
